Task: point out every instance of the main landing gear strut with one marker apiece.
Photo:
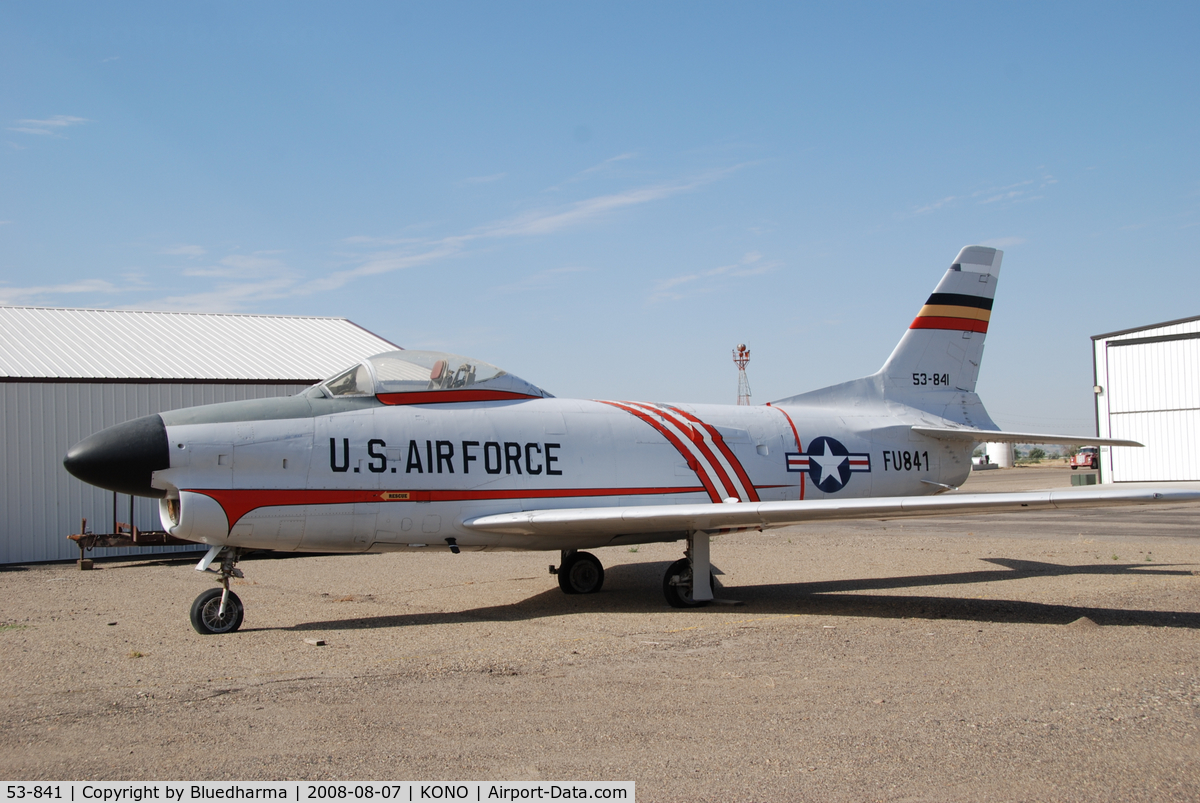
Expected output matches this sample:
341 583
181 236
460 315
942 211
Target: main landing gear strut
219 610
581 573
679 586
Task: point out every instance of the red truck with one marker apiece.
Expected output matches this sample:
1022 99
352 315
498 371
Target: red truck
1087 457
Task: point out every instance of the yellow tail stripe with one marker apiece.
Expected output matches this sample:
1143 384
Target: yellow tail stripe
944 311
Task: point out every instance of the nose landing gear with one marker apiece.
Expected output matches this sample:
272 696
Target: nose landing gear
219 610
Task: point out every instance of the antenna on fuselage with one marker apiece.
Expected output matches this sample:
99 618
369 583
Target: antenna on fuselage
741 357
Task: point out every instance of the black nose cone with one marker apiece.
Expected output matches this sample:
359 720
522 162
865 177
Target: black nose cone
123 457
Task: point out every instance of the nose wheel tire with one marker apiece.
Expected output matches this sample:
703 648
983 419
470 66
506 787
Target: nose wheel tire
580 573
206 613
677 585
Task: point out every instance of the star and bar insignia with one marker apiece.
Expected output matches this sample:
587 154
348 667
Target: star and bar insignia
828 463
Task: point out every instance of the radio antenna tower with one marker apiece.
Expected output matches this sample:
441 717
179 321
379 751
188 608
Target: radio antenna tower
741 356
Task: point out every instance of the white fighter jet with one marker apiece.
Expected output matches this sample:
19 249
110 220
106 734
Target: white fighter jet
419 450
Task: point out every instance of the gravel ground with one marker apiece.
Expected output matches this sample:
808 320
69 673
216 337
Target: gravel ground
1041 656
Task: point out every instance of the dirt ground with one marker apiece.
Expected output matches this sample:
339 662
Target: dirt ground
1039 656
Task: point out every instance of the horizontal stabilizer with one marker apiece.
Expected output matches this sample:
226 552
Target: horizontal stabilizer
992 436
586 523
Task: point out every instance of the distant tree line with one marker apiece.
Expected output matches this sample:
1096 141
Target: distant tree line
1036 454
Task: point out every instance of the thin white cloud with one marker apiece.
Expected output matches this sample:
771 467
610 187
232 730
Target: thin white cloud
1003 193
228 297
26 295
668 289
1007 193
534 223
766 267
1003 196
5 222
547 221
1024 183
1004 242
607 163
184 251
242 266
620 157
949 199
254 263
51 127
234 283
596 168
1011 193
385 262
239 281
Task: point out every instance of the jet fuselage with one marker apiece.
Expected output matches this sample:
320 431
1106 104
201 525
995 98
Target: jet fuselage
386 477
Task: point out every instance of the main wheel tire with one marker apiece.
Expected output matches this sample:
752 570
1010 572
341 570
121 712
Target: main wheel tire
581 573
677 585
206 618
1074 468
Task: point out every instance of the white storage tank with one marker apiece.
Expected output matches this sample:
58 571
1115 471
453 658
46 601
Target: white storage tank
1000 453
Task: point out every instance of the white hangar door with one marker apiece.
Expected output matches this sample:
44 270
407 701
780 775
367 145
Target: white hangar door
1154 398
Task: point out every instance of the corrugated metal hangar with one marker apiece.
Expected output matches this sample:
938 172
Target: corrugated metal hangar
1148 390
66 373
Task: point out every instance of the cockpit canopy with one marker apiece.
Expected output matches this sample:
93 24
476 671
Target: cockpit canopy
416 377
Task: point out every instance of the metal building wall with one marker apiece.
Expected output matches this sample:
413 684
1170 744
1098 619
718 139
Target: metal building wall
41 503
1149 391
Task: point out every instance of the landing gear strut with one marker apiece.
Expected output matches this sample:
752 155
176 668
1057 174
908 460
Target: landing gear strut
679 586
219 610
579 572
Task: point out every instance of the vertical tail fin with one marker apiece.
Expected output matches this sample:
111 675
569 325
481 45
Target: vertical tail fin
943 346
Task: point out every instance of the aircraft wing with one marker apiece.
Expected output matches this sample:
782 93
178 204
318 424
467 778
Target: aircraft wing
618 521
991 436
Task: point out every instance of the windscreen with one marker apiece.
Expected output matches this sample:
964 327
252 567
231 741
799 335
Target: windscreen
354 381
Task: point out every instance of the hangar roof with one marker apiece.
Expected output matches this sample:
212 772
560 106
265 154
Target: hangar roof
1175 327
41 343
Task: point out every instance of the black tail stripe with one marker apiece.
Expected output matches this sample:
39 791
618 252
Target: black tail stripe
960 300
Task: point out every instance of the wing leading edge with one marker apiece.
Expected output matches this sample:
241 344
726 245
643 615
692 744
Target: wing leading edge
626 521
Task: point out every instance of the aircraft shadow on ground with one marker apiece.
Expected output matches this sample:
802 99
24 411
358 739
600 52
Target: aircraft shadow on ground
193 557
636 588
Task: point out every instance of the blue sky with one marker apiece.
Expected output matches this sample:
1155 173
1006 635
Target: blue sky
605 198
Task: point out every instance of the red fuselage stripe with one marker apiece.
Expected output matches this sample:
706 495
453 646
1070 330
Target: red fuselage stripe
799 448
692 462
956 324
701 446
443 396
238 502
725 450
